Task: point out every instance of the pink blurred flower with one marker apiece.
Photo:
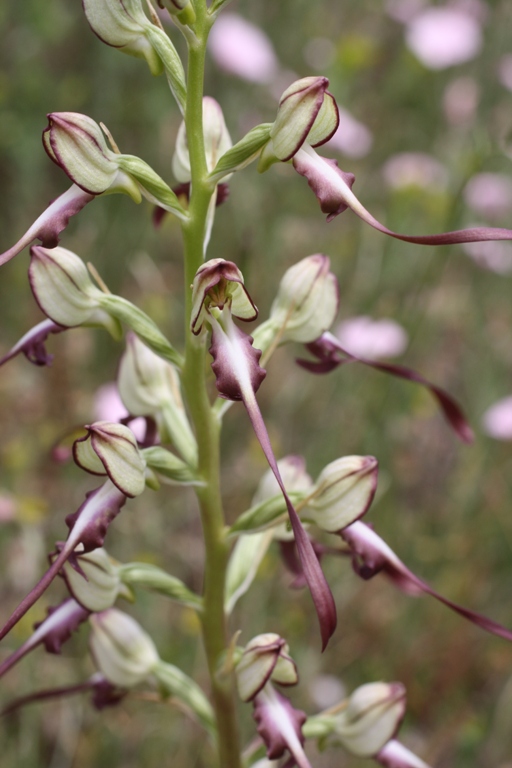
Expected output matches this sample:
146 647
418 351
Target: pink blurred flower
370 338
417 169
242 49
108 406
352 138
505 71
497 420
489 194
444 37
7 508
404 10
495 256
460 100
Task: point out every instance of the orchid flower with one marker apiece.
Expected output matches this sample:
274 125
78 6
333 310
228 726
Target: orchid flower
371 555
77 144
53 631
333 188
88 526
218 295
264 660
330 354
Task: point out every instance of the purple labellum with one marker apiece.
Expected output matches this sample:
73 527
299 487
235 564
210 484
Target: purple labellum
88 526
226 378
280 726
333 188
52 632
32 344
238 376
330 354
52 221
371 555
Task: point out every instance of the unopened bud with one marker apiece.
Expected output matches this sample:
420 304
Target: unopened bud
265 658
111 449
149 386
372 717
123 651
307 301
63 289
98 584
307 112
78 145
217 141
344 491
219 283
123 25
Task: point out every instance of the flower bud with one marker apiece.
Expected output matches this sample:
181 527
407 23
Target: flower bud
122 24
96 583
217 141
77 145
149 386
63 289
123 651
298 107
111 449
307 300
372 717
218 283
344 491
265 658
307 112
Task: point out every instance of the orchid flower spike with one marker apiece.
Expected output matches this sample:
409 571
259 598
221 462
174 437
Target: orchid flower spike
371 555
238 377
52 632
88 527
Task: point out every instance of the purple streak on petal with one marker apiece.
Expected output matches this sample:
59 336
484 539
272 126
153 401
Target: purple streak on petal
52 632
51 222
371 555
88 526
328 349
280 725
395 755
238 377
32 344
333 188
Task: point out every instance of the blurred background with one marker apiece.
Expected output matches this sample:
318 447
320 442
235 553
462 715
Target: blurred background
425 91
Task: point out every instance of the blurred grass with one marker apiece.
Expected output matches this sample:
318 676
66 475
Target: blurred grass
444 506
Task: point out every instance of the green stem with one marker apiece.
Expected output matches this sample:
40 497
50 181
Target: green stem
207 426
